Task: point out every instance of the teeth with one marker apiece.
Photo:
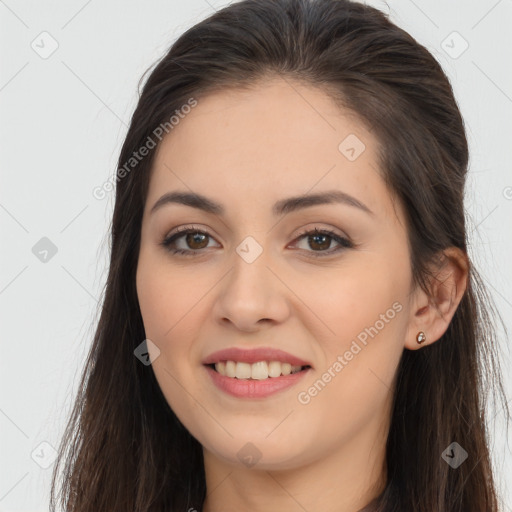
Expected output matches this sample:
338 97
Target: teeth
286 368
243 371
274 369
230 369
257 371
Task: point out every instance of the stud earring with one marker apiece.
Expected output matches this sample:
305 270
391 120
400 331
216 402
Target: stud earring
420 337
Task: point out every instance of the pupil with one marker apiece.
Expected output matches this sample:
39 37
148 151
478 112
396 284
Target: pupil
195 238
320 236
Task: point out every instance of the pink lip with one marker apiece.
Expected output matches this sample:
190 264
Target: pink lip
254 355
249 388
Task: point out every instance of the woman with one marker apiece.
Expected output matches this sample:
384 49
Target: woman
236 368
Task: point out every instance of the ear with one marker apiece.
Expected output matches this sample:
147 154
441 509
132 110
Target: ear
433 315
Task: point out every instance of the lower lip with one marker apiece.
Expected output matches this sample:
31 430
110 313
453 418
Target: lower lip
252 388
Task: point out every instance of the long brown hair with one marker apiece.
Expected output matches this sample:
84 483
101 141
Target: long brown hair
124 449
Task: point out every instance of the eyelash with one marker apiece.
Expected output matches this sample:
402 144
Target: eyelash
345 243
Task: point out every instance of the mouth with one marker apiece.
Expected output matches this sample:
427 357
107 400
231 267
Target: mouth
258 380
259 370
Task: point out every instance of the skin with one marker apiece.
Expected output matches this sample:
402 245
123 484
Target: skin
247 149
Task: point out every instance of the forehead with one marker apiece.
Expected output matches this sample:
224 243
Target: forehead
255 146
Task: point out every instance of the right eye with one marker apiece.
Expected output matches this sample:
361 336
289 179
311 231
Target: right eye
191 235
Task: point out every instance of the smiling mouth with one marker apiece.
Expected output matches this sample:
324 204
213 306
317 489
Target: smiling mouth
260 370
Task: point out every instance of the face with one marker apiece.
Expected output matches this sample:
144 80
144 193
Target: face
252 276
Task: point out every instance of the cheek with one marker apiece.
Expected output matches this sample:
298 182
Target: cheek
168 297
362 300
360 336
353 386
173 302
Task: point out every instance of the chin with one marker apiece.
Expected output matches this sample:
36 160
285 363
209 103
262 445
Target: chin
257 452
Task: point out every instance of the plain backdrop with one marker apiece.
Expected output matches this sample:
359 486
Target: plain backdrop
68 86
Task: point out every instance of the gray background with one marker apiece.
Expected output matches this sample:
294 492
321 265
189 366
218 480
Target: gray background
63 117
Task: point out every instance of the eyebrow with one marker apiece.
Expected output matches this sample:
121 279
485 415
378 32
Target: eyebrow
281 207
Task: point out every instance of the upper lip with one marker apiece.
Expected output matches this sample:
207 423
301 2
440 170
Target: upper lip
254 355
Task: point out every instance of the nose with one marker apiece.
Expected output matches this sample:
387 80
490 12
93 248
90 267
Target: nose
251 295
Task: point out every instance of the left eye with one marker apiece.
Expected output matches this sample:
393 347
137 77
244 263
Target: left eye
197 239
321 238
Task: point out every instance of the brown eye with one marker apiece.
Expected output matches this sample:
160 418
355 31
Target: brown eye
320 240
194 239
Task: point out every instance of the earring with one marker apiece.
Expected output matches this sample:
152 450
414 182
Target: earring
420 337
